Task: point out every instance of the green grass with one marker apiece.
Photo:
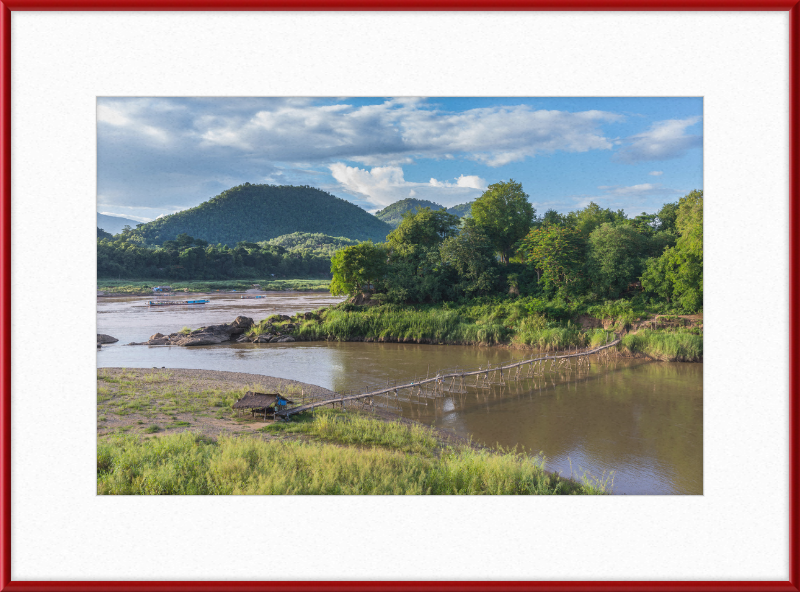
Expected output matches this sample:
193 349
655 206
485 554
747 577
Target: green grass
458 325
347 428
669 346
146 285
186 463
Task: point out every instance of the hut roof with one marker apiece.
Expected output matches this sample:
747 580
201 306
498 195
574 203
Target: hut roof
252 399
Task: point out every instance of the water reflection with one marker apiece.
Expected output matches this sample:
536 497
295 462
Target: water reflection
643 420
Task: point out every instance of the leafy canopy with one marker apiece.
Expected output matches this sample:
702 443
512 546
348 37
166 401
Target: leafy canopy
505 215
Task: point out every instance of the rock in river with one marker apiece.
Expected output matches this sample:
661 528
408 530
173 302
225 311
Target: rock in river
101 338
204 336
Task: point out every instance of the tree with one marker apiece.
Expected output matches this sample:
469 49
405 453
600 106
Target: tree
592 216
505 215
677 275
552 217
614 258
556 253
425 228
356 266
471 256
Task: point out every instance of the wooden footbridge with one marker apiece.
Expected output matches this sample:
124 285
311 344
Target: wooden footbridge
536 367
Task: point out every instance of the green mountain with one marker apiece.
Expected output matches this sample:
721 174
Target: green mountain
114 224
461 210
262 212
393 214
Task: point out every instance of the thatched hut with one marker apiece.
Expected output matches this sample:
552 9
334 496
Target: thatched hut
262 403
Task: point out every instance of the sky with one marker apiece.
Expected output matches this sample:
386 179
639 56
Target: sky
157 156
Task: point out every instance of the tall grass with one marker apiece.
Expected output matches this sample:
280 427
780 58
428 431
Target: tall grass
357 429
465 325
536 331
385 323
187 464
669 346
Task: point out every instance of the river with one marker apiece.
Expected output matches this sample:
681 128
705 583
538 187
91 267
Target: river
643 420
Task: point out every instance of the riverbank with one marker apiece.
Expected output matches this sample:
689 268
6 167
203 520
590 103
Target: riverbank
660 337
111 287
174 432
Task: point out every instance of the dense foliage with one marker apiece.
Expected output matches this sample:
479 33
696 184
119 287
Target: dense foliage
316 244
255 213
592 255
189 258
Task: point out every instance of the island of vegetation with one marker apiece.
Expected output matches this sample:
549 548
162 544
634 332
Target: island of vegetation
504 275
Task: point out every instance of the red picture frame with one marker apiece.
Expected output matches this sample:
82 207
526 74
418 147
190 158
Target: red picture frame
6 6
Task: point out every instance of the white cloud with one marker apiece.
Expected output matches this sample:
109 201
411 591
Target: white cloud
123 115
632 190
663 141
398 131
383 186
656 173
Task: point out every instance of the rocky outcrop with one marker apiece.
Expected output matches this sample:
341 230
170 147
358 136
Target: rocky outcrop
103 339
204 336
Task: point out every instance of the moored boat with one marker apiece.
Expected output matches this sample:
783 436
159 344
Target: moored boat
175 302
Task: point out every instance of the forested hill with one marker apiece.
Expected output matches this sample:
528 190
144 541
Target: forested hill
393 214
261 212
461 210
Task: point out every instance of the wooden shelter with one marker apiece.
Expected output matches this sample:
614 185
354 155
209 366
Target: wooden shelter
262 403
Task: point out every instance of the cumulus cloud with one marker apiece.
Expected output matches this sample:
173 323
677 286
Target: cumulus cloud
383 186
664 140
399 131
656 173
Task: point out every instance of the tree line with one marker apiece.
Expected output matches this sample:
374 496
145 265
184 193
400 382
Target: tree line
186 257
592 254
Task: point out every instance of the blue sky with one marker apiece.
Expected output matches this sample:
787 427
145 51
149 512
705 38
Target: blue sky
157 156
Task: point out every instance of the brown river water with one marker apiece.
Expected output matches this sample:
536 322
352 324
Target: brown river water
641 419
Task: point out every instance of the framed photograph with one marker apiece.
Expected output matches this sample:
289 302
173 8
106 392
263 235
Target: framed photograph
349 253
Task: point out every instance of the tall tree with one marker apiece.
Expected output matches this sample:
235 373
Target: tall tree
356 266
677 275
425 228
615 258
556 253
471 256
505 215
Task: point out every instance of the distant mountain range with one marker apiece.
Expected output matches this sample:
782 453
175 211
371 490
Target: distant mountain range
262 212
114 224
393 214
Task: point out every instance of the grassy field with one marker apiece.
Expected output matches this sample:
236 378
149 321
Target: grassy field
145 286
174 432
140 401
336 454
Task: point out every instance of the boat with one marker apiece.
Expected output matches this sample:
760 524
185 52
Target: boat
175 302
251 297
